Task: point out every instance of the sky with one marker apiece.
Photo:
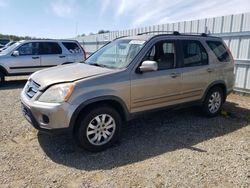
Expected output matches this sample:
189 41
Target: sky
68 18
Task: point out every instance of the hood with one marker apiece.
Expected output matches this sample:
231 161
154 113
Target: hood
66 73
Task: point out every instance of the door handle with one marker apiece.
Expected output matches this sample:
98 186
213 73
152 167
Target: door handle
35 57
62 56
174 74
210 70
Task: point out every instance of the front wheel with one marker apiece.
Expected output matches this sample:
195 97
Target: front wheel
99 129
213 102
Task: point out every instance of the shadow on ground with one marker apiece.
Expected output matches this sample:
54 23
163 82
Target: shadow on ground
148 137
13 84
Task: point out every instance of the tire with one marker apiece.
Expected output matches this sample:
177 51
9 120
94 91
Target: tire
213 102
94 136
2 79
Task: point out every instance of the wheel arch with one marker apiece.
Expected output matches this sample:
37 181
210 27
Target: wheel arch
112 101
3 70
220 84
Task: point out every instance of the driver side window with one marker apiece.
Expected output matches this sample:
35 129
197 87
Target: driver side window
163 53
30 48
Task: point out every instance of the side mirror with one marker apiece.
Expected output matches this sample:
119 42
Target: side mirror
148 66
15 53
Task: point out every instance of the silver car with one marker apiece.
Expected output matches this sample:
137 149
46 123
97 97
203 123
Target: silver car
127 77
26 57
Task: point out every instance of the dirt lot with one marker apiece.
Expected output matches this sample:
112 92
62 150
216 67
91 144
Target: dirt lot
166 149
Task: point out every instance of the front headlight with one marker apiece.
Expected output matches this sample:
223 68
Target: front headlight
57 93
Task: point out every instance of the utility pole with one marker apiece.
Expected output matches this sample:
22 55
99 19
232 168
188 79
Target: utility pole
76 31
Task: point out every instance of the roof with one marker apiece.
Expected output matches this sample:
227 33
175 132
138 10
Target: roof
48 40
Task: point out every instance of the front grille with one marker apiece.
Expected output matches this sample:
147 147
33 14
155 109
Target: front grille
31 88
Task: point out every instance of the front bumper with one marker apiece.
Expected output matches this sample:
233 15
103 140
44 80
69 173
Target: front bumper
46 117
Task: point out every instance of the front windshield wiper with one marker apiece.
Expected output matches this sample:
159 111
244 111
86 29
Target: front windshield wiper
99 65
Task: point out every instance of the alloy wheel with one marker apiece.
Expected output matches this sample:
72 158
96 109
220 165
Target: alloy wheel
101 129
214 102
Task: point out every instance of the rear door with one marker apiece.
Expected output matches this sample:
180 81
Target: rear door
194 69
28 60
51 54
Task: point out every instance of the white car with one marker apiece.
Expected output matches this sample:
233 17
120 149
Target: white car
25 57
7 45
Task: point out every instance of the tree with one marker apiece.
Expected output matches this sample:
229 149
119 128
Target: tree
16 38
103 31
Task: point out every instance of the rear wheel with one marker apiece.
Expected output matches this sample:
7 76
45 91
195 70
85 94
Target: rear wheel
213 102
2 79
99 129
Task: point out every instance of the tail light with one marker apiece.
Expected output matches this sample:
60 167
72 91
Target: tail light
230 53
84 54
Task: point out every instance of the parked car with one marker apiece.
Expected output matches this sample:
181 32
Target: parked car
7 45
3 42
129 76
25 57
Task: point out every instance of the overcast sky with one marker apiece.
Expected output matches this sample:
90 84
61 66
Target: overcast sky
65 18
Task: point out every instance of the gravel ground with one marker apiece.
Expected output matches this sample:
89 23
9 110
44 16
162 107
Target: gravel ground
166 149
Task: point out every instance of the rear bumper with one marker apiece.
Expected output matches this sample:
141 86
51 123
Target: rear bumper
229 90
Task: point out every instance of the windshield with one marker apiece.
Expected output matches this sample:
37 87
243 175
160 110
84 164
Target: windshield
10 48
117 54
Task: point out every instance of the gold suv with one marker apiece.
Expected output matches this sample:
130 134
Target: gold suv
126 77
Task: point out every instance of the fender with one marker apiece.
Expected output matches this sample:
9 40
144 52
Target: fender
212 85
75 114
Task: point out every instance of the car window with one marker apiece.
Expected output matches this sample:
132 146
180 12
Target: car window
30 48
163 53
72 47
46 48
219 50
4 41
10 48
194 54
117 54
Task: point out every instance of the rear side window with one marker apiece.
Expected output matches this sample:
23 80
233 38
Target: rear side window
194 54
72 47
219 50
46 48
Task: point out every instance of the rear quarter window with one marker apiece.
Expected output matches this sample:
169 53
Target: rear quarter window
219 50
72 47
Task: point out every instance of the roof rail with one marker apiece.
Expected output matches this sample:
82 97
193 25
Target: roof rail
169 32
174 33
198 34
120 37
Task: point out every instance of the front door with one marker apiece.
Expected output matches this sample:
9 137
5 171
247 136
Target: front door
155 89
27 61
